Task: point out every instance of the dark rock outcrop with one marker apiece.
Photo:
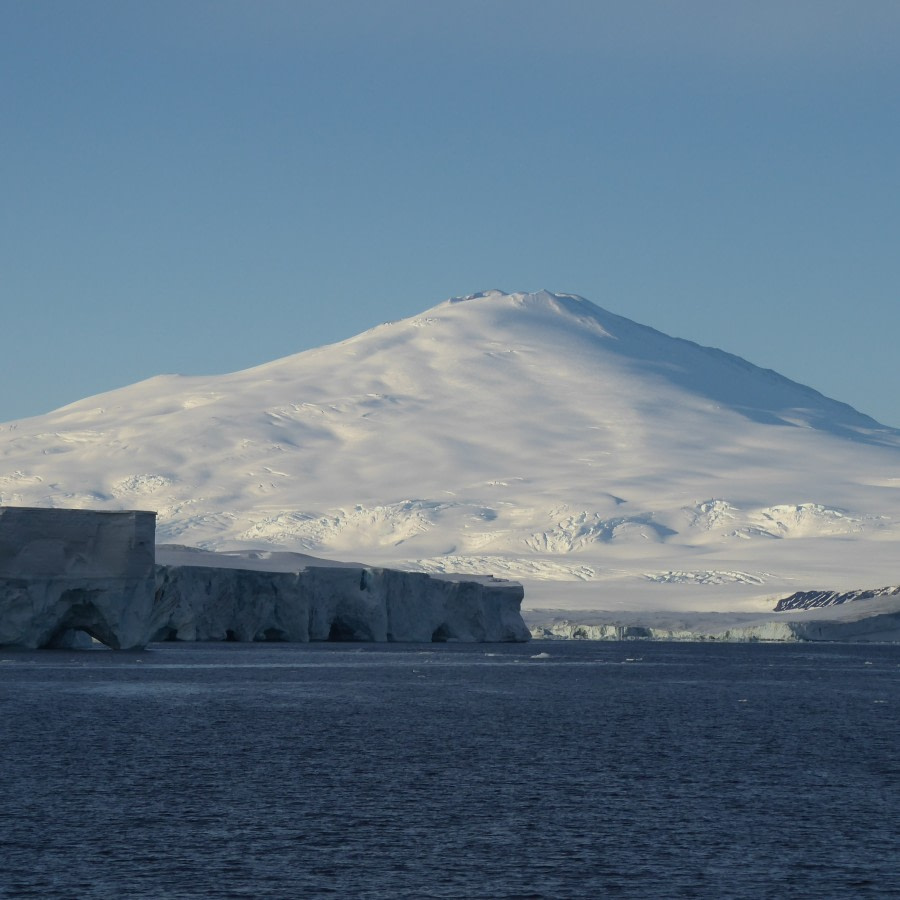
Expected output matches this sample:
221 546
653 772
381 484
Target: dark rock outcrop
818 599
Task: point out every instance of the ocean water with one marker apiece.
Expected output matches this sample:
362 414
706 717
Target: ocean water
546 770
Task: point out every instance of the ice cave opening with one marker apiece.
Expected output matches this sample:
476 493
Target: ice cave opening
274 635
341 631
82 617
352 629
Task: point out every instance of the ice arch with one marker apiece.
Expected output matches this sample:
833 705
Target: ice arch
71 570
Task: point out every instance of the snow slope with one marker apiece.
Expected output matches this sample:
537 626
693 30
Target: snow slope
534 436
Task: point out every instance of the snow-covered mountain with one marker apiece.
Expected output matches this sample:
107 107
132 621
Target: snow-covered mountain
530 435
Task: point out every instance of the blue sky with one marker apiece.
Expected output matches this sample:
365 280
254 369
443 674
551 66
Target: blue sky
199 187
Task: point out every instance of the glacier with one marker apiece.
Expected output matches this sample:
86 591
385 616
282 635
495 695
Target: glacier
64 572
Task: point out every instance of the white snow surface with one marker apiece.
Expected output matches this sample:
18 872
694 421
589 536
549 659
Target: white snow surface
534 436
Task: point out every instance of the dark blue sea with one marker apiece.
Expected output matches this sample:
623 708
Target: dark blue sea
546 770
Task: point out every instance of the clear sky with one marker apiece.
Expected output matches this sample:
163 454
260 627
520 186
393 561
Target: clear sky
204 185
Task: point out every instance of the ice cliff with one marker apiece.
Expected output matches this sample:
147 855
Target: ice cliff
200 603
68 571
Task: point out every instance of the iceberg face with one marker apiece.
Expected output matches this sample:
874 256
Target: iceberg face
321 603
76 543
63 570
209 604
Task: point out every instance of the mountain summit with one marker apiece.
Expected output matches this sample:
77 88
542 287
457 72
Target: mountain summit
531 434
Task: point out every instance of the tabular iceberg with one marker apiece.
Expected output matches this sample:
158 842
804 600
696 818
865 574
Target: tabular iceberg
68 571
